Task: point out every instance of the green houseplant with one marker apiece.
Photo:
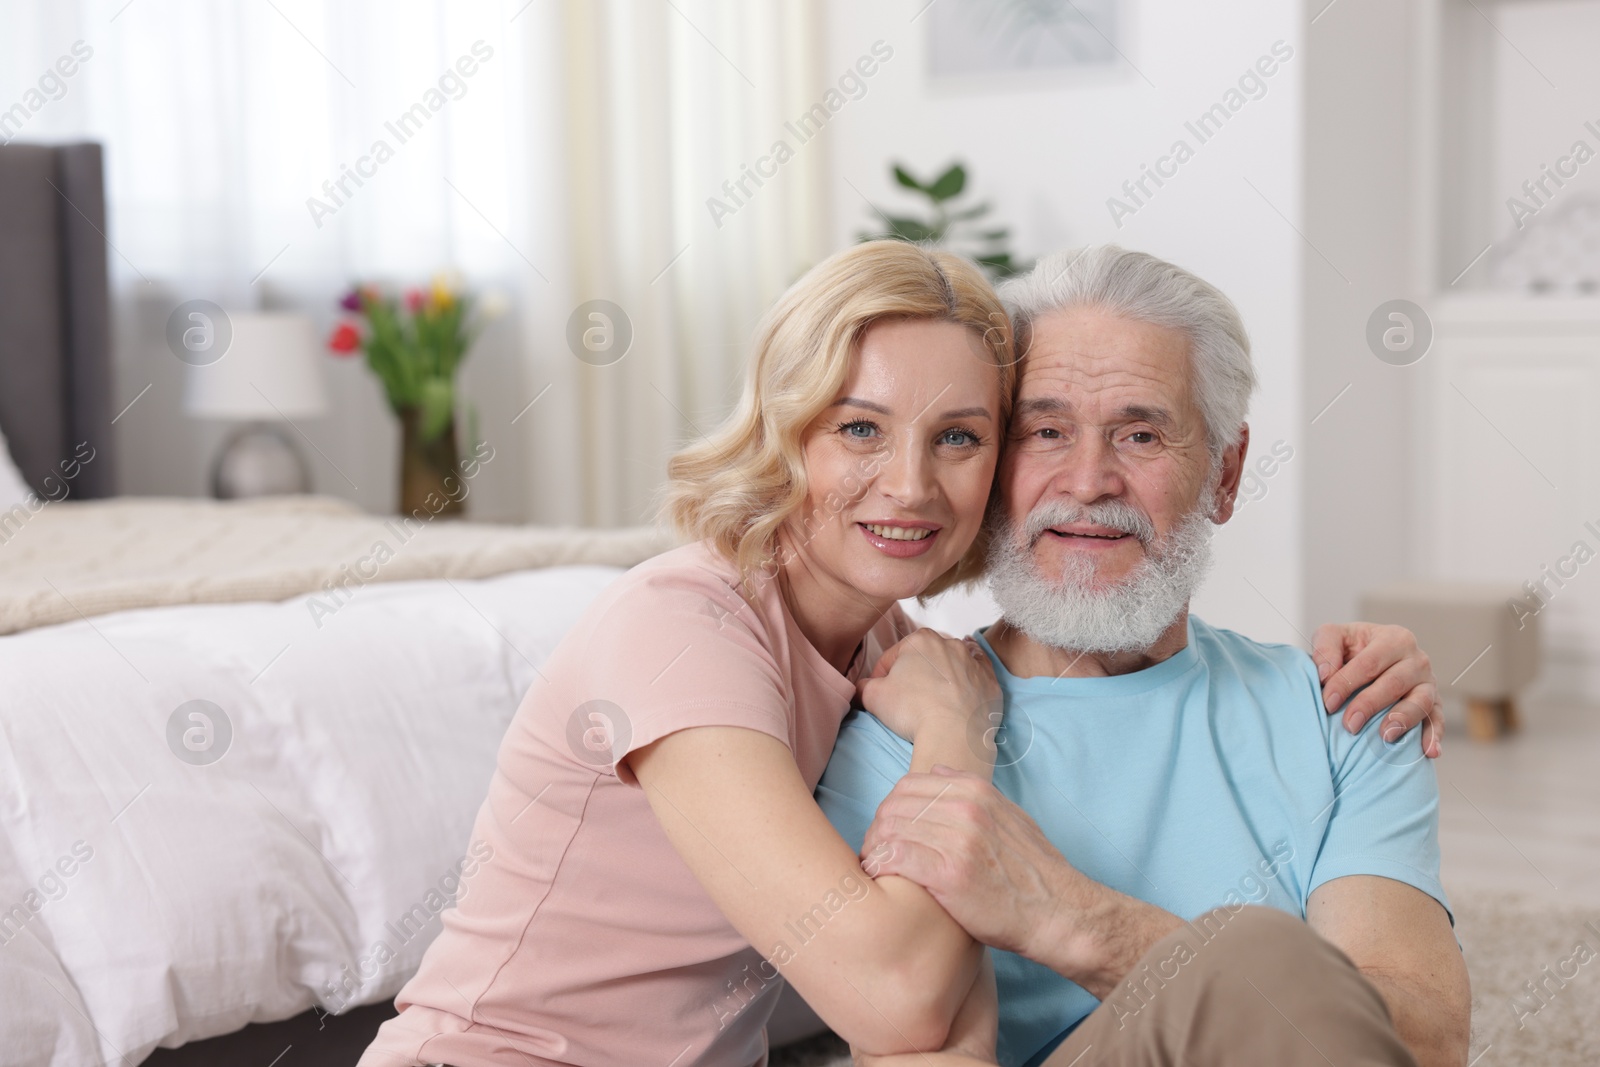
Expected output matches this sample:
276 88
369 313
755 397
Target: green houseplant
958 227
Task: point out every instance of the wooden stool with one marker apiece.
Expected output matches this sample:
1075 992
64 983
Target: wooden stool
1488 719
1483 649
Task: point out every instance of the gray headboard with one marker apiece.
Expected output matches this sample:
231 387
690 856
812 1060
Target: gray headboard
55 359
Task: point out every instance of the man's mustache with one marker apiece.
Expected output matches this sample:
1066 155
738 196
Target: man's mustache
1113 514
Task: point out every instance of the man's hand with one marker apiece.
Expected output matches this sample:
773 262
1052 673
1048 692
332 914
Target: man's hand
989 865
1351 655
979 855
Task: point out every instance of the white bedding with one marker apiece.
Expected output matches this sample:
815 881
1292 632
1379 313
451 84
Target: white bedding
148 900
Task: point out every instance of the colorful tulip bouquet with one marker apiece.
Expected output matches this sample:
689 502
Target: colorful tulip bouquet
414 345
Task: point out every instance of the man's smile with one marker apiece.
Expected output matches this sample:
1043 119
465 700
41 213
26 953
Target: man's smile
1088 535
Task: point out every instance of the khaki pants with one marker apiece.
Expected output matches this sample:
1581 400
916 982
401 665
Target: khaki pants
1254 987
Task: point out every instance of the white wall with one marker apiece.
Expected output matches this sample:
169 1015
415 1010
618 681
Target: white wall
1360 202
1051 155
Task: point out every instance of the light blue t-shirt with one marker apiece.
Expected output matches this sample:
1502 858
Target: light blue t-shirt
1212 778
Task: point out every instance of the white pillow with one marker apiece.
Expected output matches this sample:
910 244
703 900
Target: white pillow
13 489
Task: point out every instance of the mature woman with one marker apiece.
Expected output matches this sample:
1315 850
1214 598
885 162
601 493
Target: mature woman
656 852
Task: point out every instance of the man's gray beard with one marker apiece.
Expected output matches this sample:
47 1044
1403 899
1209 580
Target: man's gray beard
1066 611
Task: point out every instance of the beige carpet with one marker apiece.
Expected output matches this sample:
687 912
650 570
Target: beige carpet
1509 940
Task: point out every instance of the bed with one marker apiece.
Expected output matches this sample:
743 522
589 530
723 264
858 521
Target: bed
221 813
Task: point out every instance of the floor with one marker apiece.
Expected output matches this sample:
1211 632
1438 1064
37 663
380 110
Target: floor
1519 830
1522 814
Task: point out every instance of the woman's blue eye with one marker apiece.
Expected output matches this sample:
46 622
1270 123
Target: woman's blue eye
858 430
958 438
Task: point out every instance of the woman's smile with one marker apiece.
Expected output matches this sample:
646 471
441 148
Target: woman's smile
900 539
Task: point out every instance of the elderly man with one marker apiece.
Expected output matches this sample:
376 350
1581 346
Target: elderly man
1156 777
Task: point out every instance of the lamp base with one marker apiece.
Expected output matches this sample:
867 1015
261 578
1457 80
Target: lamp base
258 459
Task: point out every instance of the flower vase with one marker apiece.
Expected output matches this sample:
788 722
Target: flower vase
424 466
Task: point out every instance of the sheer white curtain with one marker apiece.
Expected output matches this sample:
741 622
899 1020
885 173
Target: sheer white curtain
267 152
223 119
667 103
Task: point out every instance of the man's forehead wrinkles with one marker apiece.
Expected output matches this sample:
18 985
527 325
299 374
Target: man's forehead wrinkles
1099 364
1116 394
1103 388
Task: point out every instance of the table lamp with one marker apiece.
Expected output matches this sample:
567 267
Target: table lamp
269 374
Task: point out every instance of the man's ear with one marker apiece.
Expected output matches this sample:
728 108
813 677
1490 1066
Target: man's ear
1232 471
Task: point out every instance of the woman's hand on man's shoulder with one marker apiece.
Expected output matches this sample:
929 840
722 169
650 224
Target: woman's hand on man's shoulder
927 678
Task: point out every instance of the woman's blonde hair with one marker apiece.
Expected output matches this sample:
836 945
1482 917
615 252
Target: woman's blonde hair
737 488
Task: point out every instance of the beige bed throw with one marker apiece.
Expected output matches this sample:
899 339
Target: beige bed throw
73 560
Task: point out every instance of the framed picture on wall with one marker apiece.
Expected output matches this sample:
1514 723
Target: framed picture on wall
984 40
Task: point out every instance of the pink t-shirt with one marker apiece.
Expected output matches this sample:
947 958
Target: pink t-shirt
585 939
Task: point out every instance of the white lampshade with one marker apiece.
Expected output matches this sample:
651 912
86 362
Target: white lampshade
271 370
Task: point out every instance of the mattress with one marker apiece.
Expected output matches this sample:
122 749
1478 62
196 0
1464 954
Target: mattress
217 814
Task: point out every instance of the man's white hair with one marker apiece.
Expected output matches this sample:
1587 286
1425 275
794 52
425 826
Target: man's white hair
1139 286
